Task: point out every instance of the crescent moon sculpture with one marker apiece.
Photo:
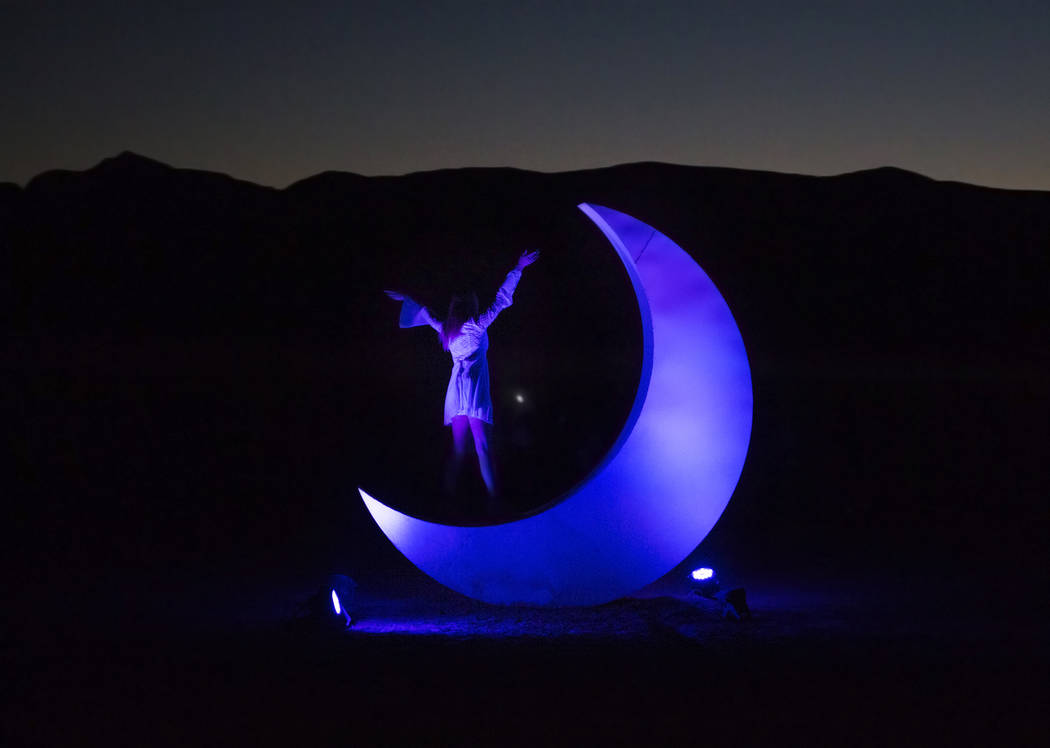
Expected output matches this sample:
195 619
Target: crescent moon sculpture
660 488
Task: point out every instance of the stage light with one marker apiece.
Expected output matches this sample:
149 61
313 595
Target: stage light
707 582
328 609
341 589
519 397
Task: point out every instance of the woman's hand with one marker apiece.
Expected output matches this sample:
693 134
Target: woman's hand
527 258
395 295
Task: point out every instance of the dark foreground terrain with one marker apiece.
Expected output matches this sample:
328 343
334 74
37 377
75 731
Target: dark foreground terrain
909 611
848 662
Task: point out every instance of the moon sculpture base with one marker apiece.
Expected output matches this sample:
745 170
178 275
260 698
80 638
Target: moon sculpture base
663 484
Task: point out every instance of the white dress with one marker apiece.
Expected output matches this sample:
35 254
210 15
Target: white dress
468 387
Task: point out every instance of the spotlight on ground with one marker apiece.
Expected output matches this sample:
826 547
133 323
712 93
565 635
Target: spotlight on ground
341 590
706 582
329 608
733 602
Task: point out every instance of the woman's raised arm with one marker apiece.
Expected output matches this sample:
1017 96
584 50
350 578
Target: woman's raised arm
505 294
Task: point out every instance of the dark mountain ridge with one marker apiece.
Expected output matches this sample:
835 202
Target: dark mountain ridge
874 261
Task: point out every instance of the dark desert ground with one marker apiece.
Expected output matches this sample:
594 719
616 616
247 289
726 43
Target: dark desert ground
200 371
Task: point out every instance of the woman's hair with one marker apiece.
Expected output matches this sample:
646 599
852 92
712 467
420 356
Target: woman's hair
463 307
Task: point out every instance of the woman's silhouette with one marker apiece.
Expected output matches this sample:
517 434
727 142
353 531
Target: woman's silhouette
468 404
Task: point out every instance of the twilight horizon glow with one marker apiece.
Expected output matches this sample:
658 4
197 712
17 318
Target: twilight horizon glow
663 484
274 93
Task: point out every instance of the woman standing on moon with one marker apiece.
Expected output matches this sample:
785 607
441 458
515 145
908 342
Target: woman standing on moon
468 404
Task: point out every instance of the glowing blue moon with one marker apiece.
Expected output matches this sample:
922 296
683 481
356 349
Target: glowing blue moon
663 484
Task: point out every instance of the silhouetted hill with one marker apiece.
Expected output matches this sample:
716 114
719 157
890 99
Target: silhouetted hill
132 246
876 261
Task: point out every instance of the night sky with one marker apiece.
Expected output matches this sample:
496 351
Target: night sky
275 92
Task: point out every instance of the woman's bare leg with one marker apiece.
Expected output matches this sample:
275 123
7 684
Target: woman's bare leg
480 430
460 427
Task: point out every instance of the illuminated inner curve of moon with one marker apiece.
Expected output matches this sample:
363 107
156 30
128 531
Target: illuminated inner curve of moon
662 485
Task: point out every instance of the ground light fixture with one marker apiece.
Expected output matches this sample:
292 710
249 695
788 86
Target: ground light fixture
328 609
706 581
341 590
733 602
